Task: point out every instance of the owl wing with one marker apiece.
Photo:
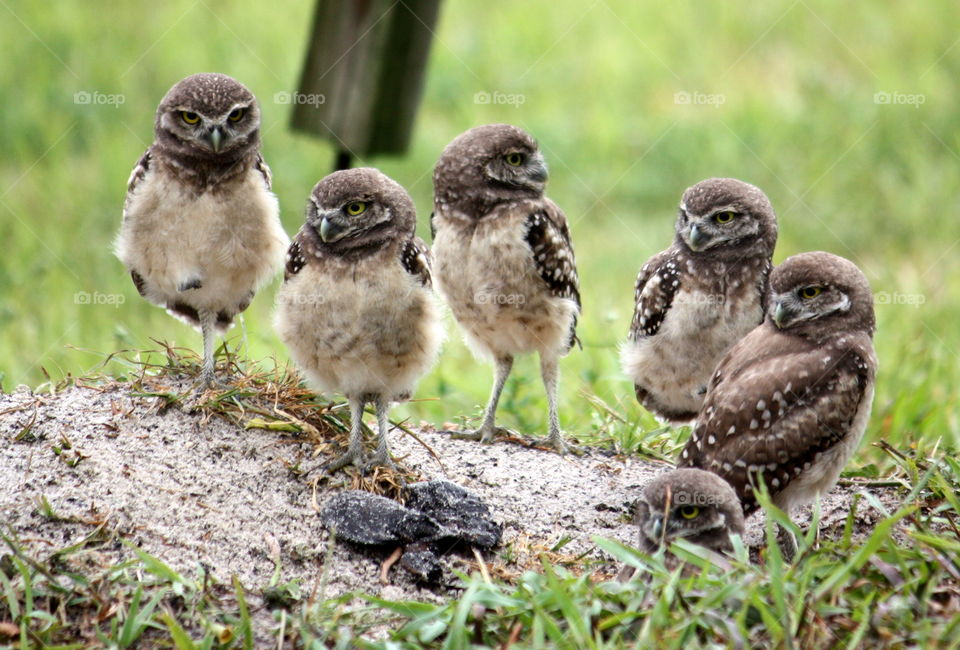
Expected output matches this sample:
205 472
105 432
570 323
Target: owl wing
295 260
415 259
548 236
774 405
136 176
261 166
657 284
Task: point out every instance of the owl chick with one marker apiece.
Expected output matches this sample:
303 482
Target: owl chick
692 504
700 296
201 231
503 259
356 309
790 401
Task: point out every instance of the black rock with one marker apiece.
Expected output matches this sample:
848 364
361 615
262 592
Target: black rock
458 509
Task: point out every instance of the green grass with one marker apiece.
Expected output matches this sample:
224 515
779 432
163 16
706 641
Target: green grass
873 182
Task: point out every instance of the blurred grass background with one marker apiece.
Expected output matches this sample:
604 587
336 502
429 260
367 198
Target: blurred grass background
782 94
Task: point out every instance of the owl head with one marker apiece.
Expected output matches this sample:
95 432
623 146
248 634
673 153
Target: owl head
488 165
818 295
692 504
724 217
358 211
208 116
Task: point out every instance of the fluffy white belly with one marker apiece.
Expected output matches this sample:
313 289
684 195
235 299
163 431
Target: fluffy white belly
232 241
370 333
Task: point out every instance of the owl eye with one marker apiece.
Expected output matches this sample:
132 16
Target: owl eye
236 115
355 208
810 292
515 159
688 512
189 117
724 217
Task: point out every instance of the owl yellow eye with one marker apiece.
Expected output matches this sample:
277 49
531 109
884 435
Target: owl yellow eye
724 217
355 208
515 159
688 512
189 117
236 115
810 292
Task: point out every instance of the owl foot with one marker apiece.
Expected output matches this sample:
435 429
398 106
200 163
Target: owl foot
563 447
354 456
379 459
483 434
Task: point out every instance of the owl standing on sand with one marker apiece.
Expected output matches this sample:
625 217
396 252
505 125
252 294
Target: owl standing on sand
356 309
504 260
201 231
700 296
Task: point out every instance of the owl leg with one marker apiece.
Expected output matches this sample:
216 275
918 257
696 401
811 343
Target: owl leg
208 321
355 449
549 371
382 456
489 429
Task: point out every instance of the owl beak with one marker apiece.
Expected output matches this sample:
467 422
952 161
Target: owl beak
654 529
538 170
697 240
330 231
783 315
215 138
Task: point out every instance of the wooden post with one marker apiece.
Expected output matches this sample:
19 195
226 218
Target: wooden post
364 73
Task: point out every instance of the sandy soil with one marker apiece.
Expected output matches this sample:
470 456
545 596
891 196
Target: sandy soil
190 490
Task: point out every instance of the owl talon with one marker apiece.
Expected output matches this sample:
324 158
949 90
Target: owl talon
483 434
352 457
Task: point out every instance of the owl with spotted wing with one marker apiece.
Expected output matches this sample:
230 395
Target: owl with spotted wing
504 260
790 402
700 296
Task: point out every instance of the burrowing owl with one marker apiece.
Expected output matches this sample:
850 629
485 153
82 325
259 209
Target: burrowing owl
692 504
201 231
790 401
356 309
504 260
700 296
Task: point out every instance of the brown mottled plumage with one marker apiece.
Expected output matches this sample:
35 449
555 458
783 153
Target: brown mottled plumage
790 401
201 231
356 309
700 296
503 258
